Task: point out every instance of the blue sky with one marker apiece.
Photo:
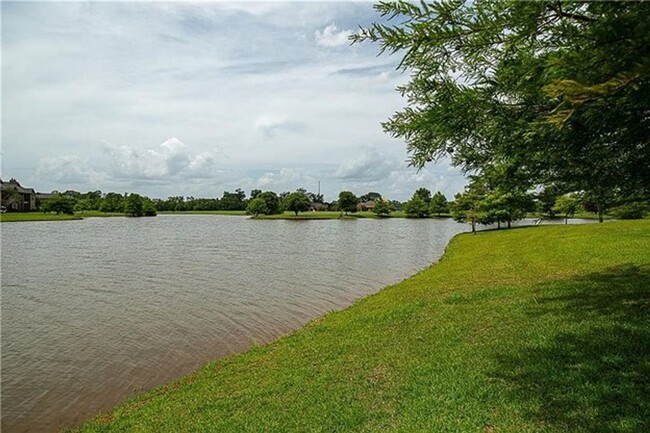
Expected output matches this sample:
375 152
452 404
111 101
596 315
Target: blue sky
196 98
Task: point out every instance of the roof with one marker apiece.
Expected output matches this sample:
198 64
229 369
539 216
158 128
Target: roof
44 195
13 184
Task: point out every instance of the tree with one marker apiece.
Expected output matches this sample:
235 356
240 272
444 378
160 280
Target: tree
466 207
94 199
545 89
256 206
546 200
567 205
83 204
416 207
233 201
255 193
347 202
382 207
297 202
272 202
424 194
112 202
59 203
504 207
632 211
396 204
148 207
134 205
371 196
315 198
438 204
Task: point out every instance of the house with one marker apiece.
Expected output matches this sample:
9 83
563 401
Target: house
16 197
318 207
366 205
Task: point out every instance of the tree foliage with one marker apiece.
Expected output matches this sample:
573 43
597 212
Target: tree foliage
567 205
370 196
272 202
347 202
256 207
112 202
134 205
632 211
417 207
438 204
59 203
554 92
297 202
382 207
467 206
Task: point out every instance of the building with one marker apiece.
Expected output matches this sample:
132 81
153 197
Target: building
16 197
366 205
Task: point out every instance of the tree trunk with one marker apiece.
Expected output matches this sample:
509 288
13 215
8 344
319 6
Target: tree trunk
600 214
498 225
566 220
509 226
473 227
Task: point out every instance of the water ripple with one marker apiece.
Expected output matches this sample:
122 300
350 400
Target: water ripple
99 309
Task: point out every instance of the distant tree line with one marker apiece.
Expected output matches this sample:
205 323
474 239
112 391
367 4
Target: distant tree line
70 201
482 202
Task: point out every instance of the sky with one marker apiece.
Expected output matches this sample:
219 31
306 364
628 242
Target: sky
196 98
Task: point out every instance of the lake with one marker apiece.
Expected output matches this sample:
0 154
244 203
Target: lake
95 311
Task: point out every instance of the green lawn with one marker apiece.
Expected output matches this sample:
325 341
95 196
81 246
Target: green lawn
540 329
41 216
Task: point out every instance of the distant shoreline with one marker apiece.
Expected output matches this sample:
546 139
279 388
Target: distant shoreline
302 216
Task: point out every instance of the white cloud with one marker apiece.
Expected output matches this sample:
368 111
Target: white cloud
271 97
284 179
371 165
170 159
268 125
331 36
67 169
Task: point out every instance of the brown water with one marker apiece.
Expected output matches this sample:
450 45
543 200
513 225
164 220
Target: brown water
97 310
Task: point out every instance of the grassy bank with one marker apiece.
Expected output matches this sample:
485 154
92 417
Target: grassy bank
326 215
331 215
542 329
41 216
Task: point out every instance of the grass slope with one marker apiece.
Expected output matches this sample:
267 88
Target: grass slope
542 329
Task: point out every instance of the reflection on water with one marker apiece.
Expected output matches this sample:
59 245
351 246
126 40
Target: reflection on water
94 311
